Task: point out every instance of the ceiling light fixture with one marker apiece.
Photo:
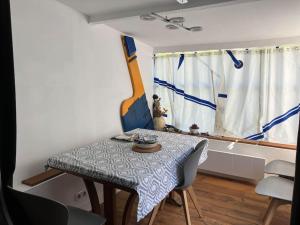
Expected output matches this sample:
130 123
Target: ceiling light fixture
182 1
177 19
173 23
195 29
147 17
172 27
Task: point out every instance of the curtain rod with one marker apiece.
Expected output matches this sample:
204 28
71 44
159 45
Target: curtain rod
296 47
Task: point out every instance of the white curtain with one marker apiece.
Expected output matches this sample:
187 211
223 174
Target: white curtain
260 101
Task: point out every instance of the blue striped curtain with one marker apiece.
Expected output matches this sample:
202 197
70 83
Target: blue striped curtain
260 101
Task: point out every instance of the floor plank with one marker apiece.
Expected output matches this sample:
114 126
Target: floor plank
222 201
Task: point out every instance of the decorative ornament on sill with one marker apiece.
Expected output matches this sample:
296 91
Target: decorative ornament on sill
158 114
194 129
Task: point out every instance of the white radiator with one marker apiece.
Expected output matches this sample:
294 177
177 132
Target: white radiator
243 161
240 166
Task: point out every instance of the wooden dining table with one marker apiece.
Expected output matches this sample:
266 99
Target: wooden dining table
149 177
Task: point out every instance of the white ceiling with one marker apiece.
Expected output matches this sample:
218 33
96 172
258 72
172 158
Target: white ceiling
100 10
234 22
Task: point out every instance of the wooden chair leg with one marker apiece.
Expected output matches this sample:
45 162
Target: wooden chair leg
153 214
162 205
172 200
274 204
183 194
128 208
192 194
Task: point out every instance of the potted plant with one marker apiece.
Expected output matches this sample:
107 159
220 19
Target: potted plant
194 129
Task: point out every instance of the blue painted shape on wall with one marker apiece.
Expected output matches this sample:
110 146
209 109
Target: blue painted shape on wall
130 46
138 116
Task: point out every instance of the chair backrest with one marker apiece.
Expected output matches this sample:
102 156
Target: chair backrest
4 214
38 210
190 165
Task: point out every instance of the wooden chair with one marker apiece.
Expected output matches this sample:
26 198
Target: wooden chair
281 192
190 168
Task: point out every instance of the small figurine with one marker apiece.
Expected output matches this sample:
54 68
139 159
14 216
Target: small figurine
172 129
158 114
194 129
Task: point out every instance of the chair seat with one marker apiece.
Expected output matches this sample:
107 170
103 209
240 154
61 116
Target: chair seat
281 167
276 187
81 217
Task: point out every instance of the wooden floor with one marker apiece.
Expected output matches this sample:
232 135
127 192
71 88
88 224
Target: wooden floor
223 202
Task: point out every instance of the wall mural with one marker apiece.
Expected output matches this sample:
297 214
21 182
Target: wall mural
135 112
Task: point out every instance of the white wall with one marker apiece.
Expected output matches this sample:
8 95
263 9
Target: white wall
71 78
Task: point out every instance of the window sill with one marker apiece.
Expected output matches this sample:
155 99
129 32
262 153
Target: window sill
245 141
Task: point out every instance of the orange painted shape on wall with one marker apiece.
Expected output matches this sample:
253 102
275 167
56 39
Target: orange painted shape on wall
136 80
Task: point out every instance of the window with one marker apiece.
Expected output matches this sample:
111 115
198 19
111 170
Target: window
260 101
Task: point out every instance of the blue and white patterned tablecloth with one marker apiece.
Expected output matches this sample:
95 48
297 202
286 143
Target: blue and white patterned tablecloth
151 175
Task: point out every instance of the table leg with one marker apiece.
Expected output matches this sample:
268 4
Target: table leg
93 195
128 208
109 203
